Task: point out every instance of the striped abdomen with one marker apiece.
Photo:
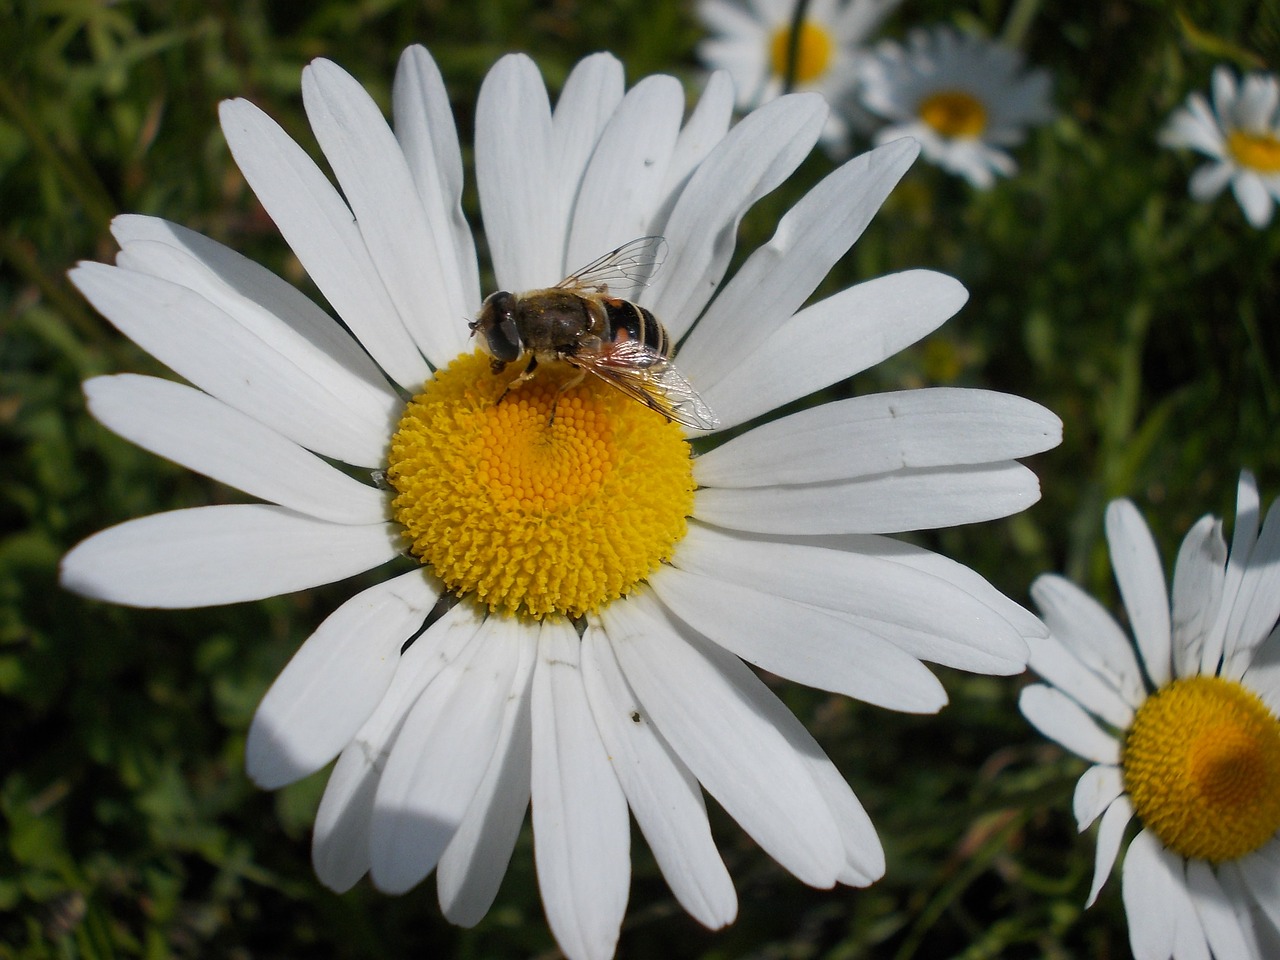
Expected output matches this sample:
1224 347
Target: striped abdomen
630 321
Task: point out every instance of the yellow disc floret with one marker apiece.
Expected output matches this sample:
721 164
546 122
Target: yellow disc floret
1202 767
537 499
814 52
954 113
1259 152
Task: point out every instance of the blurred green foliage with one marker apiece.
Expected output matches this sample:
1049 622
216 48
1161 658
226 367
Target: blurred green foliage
1147 321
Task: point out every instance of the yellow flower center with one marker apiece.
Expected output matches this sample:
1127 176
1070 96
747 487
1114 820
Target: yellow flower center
1202 767
1257 151
545 501
954 113
814 52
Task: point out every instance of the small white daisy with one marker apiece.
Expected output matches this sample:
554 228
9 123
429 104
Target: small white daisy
1241 133
963 97
1182 731
609 587
752 39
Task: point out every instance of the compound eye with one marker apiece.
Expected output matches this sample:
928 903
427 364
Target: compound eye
497 323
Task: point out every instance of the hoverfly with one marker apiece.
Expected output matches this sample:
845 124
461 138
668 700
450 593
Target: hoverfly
578 322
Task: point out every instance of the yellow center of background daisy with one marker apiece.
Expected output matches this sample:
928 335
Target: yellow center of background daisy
541 501
1202 767
813 53
954 113
1257 151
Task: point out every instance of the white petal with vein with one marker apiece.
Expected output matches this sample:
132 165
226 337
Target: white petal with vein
335 680
582 836
320 228
205 435
662 793
222 554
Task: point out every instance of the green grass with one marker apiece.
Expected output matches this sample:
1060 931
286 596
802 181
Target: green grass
1149 323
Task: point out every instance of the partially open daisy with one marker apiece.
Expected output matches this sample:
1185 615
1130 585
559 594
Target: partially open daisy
1182 731
607 585
755 42
963 97
1241 133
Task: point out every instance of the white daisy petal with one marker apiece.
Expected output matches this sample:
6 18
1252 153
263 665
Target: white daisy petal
800 643
1061 719
1254 198
438 760
875 434
1197 591
1139 573
779 276
1260 939
1095 791
335 680
754 158
1090 633
706 126
335 376
1243 538
237 364
427 135
916 611
1161 913
1210 180
662 793
1217 916
1258 871
696 697
159 415
340 850
1110 833
410 256
935 565
1257 604
834 339
634 148
473 865
864 857
1061 665
319 227
514 146
580 825
223 554
593 91
912 499
1263 675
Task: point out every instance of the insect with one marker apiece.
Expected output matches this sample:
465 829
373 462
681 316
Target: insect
578 322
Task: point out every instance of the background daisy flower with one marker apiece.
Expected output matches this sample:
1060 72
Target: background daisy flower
751 41
1180 725
963 97
1241 133
610 587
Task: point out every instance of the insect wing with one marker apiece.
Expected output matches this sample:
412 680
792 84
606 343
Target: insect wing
645 375
634 263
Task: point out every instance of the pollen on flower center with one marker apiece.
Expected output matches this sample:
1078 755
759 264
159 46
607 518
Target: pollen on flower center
544 500
1257 151
1202 767
954 113
814 52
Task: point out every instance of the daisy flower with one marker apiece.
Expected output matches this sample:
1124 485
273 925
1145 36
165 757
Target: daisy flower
963 97
752 41
1181 728
575 596
1241 133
